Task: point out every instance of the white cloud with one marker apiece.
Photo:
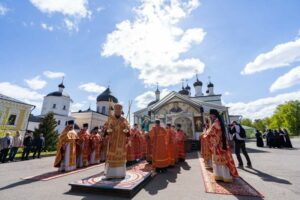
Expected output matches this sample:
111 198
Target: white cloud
92 98
73 10
21 93
287 80
50 74
144 99
36 83
261 108
3 10
47 27
227 93
280 56
99 9
92 87
71 25
154 42
78 8
75 107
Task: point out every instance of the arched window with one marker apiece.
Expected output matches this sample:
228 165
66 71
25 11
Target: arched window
64 108
58 122
103 110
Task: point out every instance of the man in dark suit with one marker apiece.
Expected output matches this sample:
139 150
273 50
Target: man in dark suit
239 137
6 144
39 144
27 143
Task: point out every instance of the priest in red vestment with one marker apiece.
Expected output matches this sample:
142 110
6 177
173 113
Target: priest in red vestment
171 145
118 130
180 139
84 145
223 164
160 160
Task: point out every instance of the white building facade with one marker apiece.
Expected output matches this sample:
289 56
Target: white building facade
104 102
59 103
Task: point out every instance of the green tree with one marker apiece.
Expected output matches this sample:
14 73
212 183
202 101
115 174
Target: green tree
259 124
287 116
246 122
47 127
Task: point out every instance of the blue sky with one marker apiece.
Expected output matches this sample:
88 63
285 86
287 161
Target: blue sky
130 45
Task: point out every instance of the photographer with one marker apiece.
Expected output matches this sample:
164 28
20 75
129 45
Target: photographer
239 137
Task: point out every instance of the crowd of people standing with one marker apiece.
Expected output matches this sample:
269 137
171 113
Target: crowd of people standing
10 145
274 138
162 147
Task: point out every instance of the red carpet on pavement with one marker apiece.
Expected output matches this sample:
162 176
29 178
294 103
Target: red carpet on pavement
238 187
56 174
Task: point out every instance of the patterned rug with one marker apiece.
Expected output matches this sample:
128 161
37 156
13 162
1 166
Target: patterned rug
56 174
134 176
238 187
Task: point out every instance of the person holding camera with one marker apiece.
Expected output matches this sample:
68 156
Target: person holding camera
239 137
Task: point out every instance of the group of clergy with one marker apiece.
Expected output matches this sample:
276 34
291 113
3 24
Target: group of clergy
215 149
77 150
163 147
117 144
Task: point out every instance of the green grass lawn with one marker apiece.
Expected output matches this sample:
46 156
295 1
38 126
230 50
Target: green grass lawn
43 153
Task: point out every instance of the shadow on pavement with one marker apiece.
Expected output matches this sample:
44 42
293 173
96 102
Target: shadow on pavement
267 177
161 181
86 196
20 183
248 198
252 150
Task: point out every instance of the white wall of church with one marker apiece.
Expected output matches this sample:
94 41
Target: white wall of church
214 99
61 122
198 91
91 118
33 125
103 106
58 105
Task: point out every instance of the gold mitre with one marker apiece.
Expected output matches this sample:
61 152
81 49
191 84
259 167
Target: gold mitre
118 107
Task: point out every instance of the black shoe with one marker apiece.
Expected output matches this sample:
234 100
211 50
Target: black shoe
241 166
249 165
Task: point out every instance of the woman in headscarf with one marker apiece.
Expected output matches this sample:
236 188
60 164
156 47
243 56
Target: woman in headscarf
223 164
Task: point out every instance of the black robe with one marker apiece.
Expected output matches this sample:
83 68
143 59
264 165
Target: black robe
270 139
288 142
259 140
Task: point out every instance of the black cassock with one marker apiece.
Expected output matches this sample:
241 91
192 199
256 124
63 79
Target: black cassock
259 140
288 142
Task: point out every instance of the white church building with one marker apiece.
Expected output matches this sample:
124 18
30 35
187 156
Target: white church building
59 103
99 116
182 108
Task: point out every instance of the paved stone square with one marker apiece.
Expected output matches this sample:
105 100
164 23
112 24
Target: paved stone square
275 173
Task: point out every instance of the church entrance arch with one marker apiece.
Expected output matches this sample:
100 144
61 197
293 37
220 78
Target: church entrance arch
186 126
